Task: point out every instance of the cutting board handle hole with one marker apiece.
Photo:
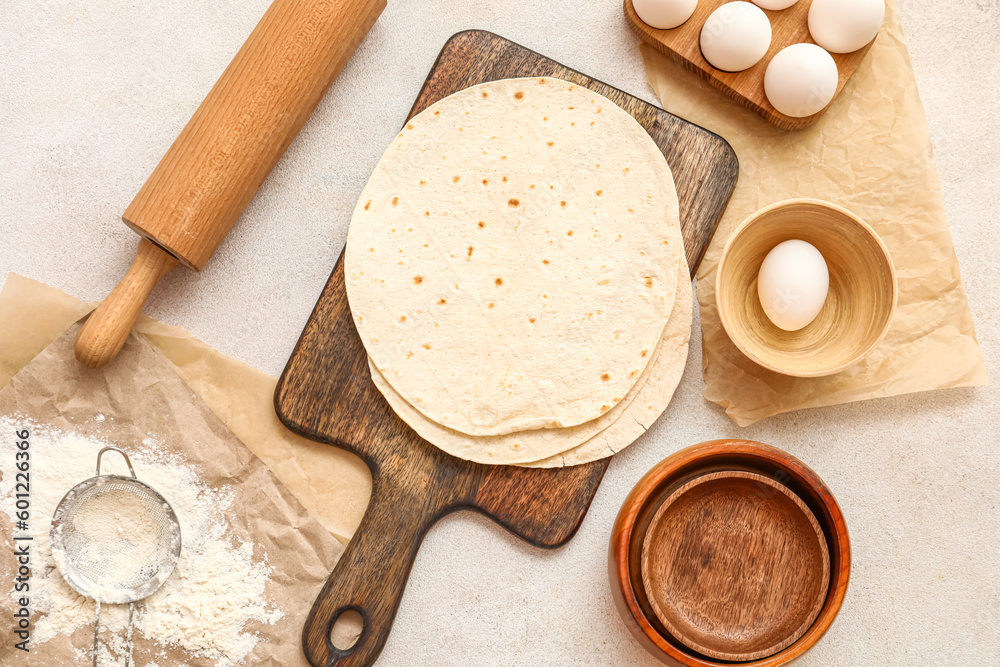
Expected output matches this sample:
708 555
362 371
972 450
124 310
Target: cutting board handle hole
346 629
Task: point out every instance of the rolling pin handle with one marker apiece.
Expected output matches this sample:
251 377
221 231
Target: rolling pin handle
105 331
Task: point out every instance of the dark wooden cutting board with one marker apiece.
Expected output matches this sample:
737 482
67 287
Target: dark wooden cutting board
325 392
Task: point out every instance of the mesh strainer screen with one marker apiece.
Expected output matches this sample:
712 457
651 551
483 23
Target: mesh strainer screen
118 537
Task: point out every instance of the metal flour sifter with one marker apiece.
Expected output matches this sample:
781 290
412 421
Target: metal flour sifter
115 540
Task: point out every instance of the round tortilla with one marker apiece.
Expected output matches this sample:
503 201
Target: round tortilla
577 444
511 262
664 376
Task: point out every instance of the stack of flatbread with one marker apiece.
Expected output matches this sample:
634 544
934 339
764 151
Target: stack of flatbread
516 272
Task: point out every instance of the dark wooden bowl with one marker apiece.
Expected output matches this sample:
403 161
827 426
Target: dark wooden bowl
735 565
663 481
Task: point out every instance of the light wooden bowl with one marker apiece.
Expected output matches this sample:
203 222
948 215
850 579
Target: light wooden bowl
735 565
635 520
858 308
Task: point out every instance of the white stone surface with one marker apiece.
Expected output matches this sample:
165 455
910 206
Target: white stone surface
93 92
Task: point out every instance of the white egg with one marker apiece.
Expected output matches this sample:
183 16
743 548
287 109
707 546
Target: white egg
776 5
792 284
664 14
736 36
843 26
801 80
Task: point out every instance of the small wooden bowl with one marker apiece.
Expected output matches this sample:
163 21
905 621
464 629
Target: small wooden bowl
625 566
735 565
858 308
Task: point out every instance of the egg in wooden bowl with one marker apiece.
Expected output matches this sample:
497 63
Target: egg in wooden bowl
846 326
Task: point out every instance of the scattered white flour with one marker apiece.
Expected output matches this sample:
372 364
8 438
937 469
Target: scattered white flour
203 608
122 537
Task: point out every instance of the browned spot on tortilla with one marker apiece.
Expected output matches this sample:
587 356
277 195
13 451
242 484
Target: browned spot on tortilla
491 304
603 282
563 203
592 122
417 280
605 377
598 109
427 346
513 202
409 354
426 246
437 113
485 182
598 166
371 249
402 318
545 117
485 94
599 193
569 233
395 201
571 108
427 212
633 374
545 261
468 253
441 302
649 281
498 282
455 179
409 126
531 187
616 399
503 157
481 224
626 170
519 95
542 81
644 353
605 408
531 319
368 204
550 143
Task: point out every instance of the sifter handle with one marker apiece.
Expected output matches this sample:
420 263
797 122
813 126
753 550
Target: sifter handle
105 331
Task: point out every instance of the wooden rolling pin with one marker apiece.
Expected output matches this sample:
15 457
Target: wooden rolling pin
220 159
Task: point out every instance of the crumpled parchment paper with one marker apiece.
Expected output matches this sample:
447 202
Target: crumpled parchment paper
329 482
871 153
144 397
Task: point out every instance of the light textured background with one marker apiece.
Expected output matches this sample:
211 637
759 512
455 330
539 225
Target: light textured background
92 92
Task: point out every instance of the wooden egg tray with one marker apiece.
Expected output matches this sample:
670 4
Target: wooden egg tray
788 26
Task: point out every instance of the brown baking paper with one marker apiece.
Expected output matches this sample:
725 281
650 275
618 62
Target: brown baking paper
337 486
870 153
144 397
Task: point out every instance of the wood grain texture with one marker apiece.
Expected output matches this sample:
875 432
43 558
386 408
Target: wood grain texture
105 331
248 119
788 26
636 514
858 308
325 392
735 565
